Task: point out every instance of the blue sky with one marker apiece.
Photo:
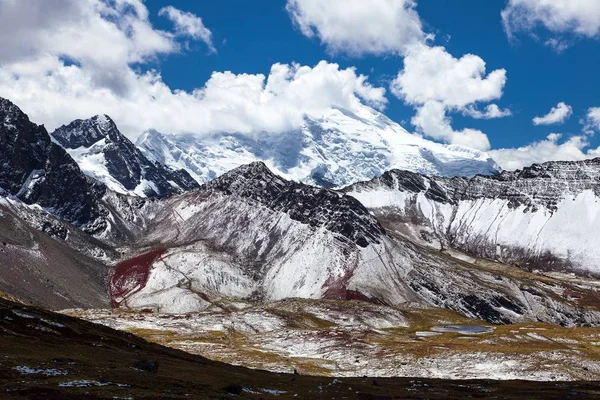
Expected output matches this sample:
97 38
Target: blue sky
251 36
466 72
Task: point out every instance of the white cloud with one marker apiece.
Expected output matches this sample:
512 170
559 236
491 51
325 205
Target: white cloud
576 148
591 123
433 74
491 111
228 102
188 24
359 27
433 81
576 17
69 59
557 115
437 83
104 38
558 45
431 119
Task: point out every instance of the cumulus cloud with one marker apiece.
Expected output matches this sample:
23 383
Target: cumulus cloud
359 27
433 74
103 37
575 148
554 147
188 24
557 115
560 17
433 81
491 111
432 120
591 123
436 83
228 102
69 59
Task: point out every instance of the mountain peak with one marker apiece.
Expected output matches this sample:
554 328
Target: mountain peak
105 154
104 123
11 115
317 207
149 135
256 168
87 132
8 107
38 171
247 178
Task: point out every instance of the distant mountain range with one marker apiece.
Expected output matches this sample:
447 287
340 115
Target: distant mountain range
336 150
86 218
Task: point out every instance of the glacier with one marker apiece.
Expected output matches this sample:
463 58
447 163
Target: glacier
339 148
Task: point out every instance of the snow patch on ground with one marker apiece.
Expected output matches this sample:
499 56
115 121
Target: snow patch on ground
25 370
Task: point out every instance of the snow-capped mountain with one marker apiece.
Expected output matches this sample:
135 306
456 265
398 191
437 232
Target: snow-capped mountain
103 153
38 171
333 151
40 174
545 217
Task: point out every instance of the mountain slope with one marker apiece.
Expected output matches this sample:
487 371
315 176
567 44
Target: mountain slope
251 234
545 217
333 151
49 262
40 173
103 153
58 227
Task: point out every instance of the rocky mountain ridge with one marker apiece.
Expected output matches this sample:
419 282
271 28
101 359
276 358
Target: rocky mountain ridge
307 204
542 217
105 154
238 238
38 171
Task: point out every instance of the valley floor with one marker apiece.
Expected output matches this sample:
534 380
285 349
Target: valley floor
49 356
355 339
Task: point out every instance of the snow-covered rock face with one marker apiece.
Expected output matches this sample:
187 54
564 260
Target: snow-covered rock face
105 154
85 133
308 205
544 217
333 151
38 171
249 234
